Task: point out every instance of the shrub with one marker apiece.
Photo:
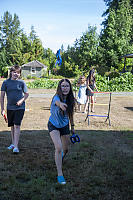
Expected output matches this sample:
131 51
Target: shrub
122 83
113 75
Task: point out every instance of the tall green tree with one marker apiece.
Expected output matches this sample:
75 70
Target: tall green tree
3 63
82 55
32 35
116 37
26 49
17 56
15 46
113 4
36 48
49 59
10 31
86 48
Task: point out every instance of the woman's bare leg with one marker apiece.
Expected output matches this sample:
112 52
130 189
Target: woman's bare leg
86 105
92 103
65 144
55 136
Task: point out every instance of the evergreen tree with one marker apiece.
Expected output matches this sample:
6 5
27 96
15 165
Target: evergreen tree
113 4
26 48
33 35
49 59
3 63
10 31
83 54
86 48
62 48
115 39
36 48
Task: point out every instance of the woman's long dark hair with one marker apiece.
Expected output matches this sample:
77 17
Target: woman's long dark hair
70 100
90 76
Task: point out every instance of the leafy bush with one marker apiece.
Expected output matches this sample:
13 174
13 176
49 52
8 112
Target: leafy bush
118 84
29 77
114 75
52 76
43 83
122 83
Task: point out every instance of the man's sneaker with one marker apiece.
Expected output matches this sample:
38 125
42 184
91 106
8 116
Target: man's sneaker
61 180
15 150
11 147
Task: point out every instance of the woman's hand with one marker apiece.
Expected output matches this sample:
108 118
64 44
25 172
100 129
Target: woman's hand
63 106
72 129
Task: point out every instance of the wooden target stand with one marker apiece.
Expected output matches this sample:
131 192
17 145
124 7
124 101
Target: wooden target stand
108 114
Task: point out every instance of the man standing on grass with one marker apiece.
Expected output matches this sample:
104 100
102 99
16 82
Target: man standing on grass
16 91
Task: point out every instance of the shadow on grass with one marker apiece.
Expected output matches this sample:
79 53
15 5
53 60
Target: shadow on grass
129 108
98 168
45 108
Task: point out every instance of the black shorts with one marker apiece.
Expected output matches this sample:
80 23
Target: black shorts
63 131
89 93
15 117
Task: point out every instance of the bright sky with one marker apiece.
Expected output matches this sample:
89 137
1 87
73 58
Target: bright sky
56 22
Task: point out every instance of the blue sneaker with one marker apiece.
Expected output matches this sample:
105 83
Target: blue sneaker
61 180
11 147
15 150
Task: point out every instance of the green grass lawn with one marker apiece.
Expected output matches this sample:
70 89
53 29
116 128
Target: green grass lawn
100 167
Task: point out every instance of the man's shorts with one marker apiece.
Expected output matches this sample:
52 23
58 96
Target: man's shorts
15 117
63 131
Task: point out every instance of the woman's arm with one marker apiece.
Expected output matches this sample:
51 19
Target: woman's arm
61 105
90 89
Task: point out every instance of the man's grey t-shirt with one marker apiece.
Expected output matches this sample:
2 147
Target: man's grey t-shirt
15 90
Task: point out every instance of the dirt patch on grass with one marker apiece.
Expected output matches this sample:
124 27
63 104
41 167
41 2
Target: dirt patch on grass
38 112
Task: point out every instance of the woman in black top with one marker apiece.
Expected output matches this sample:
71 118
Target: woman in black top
91 85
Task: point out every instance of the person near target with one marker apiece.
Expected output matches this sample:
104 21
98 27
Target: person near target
91 86
81 99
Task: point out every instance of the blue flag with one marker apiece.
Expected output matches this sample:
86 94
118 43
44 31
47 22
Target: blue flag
59 59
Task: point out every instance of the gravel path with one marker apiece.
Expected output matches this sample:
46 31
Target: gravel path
122 94
50 95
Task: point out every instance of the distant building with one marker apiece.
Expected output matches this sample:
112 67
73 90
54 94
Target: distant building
33 68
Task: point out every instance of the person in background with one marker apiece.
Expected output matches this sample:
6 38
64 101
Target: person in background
81 100
62 109
16 92
91 86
